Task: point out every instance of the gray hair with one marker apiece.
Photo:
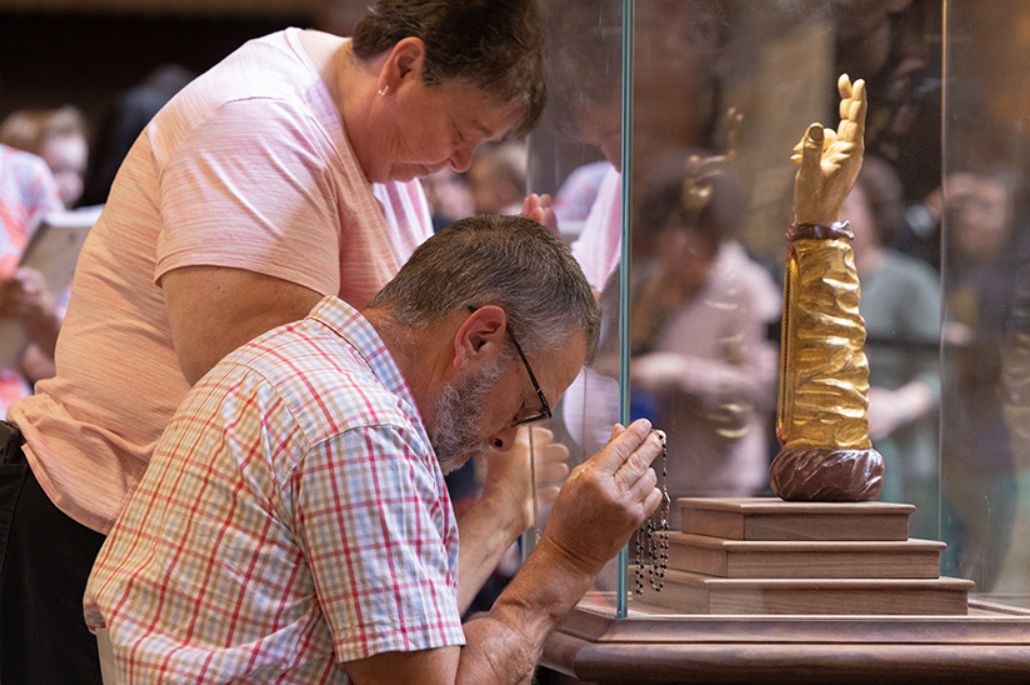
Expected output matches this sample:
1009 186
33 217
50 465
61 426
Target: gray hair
508 261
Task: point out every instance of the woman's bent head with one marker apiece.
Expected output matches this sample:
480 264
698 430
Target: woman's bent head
495 46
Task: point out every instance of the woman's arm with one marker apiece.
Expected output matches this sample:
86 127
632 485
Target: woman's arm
213 310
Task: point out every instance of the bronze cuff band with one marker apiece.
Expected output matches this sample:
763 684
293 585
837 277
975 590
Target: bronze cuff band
835 231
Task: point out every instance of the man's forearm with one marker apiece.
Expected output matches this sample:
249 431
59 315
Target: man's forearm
486 531
504 645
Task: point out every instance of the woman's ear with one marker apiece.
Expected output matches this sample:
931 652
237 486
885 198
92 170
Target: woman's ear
406 62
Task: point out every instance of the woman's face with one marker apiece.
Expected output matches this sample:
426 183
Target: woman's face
67 156
428 128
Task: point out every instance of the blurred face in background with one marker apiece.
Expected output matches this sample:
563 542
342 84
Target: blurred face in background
687 255
982 219
602 128
66 155
675 73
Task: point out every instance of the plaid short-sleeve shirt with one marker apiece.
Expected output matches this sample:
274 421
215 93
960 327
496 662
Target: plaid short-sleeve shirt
294 516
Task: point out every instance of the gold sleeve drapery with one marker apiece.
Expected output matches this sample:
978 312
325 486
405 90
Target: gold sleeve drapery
824 383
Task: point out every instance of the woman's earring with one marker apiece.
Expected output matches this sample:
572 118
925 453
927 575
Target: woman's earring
384 90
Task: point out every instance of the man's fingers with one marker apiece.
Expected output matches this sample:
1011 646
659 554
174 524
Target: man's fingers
651 502
639 462
622 445
547 493
550 453
647 482
552 472
542 435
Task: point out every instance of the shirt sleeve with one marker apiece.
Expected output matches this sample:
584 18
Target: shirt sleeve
250 189
379 536
43 195
599 247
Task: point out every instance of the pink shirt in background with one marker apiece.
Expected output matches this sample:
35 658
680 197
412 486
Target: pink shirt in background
599 246
248 167
27 191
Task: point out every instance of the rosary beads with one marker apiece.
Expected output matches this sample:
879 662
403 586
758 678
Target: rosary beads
652 540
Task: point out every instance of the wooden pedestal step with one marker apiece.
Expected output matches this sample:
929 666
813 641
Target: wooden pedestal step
766 518
693 593
804 559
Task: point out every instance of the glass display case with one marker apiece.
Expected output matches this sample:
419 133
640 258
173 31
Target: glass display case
667 144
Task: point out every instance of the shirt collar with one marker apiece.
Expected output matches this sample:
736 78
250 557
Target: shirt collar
349 324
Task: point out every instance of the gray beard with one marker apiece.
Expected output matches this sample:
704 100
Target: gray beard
455 436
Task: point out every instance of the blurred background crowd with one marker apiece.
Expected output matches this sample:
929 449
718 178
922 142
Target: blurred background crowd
719 89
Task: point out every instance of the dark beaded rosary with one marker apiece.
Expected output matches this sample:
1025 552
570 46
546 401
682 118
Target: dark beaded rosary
652 545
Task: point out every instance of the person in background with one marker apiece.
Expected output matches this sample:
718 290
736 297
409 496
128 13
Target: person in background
676 97
27 192
331 436
59 137
896 45
901 305
286 173
578 192
699 311
497 178
449 197
988 251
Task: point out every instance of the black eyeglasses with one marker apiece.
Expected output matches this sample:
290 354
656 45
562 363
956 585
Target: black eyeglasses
545 408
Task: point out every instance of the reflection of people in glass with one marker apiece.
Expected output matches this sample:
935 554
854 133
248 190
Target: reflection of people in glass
895 45
985 261
901 307
1014 578
675 98
701 366
697 329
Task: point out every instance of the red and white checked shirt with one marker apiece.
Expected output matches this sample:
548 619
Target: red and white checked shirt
294 516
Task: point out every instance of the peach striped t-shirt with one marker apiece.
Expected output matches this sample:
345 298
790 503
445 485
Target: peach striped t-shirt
248 167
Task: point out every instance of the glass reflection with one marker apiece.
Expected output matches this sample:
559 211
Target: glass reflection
985 456
952 418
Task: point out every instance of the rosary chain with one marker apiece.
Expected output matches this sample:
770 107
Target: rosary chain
652 540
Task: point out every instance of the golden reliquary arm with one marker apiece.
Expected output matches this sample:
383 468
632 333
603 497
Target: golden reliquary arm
822 419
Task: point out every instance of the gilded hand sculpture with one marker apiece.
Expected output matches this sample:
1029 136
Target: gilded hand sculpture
822 425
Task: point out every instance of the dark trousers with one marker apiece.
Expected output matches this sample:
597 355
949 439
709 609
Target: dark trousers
45 560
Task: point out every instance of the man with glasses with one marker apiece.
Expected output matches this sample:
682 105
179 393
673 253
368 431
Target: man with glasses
294 526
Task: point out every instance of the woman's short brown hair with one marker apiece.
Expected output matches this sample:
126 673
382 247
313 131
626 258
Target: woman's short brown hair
495 45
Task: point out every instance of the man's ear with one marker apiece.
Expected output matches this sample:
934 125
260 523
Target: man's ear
482 333
405 63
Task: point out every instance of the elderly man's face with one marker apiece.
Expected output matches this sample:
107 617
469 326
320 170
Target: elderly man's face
479 409
459 414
